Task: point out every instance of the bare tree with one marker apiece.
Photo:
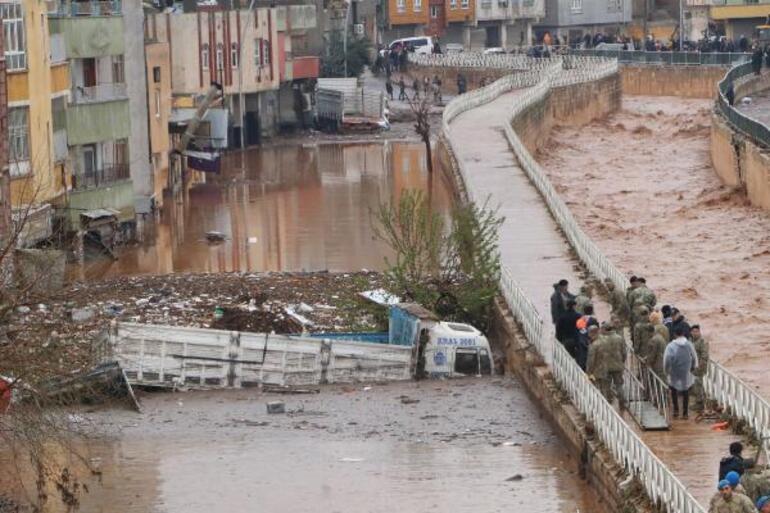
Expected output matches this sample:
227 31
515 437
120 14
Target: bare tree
421 109
36 434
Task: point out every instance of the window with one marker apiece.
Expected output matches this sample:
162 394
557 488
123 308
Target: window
118 69
205 56
18 137
11 13
156 74
434 11
453 4
266 52
401 5
59 113
220 56
614 5
157 104
465 4
257 59
577 6
234 55
417 5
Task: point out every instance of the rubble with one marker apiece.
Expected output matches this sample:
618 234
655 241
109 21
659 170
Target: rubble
70 320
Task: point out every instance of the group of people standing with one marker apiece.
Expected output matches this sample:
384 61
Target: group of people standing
743 486
661 338
428 87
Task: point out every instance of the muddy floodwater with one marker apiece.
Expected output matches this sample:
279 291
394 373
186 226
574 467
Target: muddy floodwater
471 445
285 208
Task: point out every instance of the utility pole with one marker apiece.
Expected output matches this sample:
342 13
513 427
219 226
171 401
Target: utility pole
345 36
681 25
241 98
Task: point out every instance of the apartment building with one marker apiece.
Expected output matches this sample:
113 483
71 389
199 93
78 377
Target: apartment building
575 18
5 178
235 48
736 18
506 23
452 21
158 73
106 116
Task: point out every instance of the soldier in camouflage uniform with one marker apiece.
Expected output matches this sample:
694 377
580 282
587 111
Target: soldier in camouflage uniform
583 299
653 351
756 484
619 302
643 330
726 501
616 362
702 350
630 290
596 365
645 294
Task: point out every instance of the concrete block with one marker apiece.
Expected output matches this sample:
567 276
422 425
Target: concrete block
276 407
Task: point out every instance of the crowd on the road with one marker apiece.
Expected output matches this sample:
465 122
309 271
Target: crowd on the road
428 87
743 485
662 339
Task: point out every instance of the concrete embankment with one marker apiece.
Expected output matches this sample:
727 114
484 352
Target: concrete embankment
681 81
738 159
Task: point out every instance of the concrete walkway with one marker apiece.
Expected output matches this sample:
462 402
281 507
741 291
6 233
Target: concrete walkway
531 244
537 254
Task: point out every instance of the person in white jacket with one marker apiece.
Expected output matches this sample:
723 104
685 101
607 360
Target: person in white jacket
679 362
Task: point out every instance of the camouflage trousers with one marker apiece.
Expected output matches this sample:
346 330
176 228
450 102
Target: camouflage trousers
611 387
698 395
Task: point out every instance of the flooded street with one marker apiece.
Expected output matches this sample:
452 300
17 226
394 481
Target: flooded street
471 445
285 208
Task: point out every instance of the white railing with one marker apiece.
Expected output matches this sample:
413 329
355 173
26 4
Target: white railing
626 447
99 93
730 391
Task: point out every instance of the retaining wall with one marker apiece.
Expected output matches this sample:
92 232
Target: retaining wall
736 158
577 104
682 81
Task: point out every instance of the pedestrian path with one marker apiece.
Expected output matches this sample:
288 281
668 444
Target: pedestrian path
531 244
537 255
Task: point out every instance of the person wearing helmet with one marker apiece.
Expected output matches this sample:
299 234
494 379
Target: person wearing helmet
725 501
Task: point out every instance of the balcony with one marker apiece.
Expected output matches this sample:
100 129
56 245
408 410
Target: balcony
89 36
103 177
92 122
58 49
63 8
99 93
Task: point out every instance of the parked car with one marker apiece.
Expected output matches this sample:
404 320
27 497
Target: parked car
494 51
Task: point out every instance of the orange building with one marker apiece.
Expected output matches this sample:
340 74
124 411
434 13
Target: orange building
449 20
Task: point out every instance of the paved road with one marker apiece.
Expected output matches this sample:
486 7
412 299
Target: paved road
537 254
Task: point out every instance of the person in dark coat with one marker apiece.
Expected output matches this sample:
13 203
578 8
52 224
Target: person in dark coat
678 321
566 329
584 341
756 60
735 462
561 295
730 94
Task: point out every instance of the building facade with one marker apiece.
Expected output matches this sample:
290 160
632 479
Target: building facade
106 116
452 21
573 19
158 73
506 23
735 18
237 49
37 88
5 177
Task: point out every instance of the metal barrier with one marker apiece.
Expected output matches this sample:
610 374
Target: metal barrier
625 446
668 58
756 130
642 385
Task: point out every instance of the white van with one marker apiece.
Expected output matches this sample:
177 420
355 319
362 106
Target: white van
421 44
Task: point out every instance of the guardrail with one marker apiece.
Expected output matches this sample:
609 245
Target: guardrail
667 58
99 93
756 130
625 446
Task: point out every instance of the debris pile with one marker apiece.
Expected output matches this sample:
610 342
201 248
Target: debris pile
66 323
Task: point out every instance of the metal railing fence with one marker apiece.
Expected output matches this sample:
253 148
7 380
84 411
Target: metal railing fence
667 58
757 131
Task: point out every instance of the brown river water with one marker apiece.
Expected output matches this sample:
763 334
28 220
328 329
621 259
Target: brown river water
284 208
468 446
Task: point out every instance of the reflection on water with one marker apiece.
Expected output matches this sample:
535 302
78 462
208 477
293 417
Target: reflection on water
286 208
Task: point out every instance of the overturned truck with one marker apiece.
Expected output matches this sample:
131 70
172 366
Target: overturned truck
417 345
